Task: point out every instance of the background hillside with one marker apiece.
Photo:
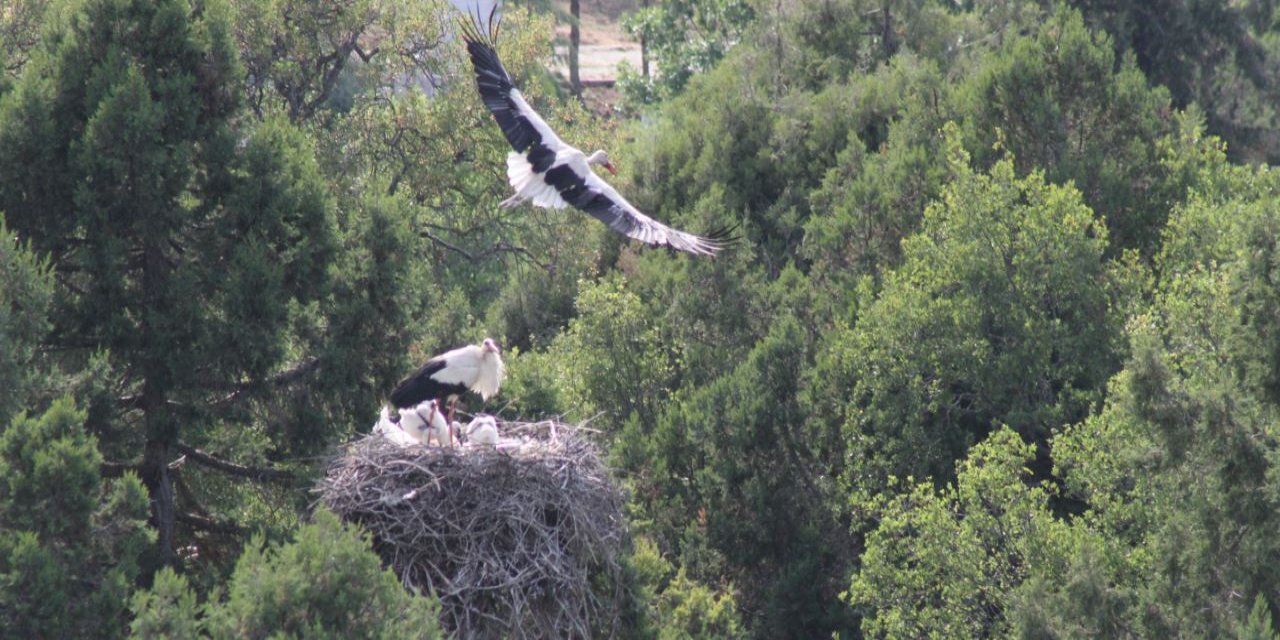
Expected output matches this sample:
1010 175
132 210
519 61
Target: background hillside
997 353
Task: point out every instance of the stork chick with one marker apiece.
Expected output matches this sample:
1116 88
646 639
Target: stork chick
483 431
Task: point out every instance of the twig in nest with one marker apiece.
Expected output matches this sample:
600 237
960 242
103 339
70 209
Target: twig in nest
512 541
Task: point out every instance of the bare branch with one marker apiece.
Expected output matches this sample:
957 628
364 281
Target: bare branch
225 527
110 469
282 379
226 466
499 247
365 57
491 532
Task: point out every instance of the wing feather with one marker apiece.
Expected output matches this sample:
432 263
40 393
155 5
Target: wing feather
552 173
581 187
521 125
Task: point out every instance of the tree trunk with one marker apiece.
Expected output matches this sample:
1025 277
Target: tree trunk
644 49
155 475
887 39
575 38
160 428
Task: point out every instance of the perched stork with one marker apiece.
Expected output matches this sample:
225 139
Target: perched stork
545 170
483 431
448 375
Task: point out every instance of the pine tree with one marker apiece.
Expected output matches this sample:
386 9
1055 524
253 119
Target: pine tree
68 540
183 241
328 583
26 290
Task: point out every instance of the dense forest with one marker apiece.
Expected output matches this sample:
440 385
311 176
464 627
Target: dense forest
996 352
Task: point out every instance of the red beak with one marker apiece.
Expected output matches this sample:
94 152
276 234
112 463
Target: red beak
609 166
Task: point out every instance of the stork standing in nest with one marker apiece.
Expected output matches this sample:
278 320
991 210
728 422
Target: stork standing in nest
477 368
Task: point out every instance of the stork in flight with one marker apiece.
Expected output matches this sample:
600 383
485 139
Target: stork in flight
550 173
477 367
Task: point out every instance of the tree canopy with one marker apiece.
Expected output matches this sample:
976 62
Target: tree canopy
996 352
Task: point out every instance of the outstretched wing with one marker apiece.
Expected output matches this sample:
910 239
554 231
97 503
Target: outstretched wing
582 188
527 132
540 148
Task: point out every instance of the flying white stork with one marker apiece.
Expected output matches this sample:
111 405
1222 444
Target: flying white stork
448 375
544 169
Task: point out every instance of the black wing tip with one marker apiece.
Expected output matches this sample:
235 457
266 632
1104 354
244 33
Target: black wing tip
724 236
718 239
479 29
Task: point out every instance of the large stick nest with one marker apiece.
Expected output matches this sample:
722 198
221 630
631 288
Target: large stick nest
521 541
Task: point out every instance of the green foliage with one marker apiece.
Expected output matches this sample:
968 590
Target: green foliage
676 606
1258 625
328 583
732 457
19 34
680 38
998 315
330 56
1178 469
167 610
235 225
189 244
875 191
1215 54
70 541
532 387
944 563
534 306
26 291
706 152
1060 101
611 358
1082 602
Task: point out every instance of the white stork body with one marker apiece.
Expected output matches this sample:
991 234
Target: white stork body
478 368
545 170
483 431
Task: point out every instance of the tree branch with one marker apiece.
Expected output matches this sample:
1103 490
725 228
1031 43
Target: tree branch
226 466
110 469
282 379
365 57
501 246
209 524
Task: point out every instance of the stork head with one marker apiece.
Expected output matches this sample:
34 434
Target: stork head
491 370
602 158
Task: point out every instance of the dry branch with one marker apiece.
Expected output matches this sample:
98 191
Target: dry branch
520 542
226 466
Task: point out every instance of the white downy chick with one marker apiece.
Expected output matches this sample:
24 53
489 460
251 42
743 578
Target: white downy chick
483 431
392 431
